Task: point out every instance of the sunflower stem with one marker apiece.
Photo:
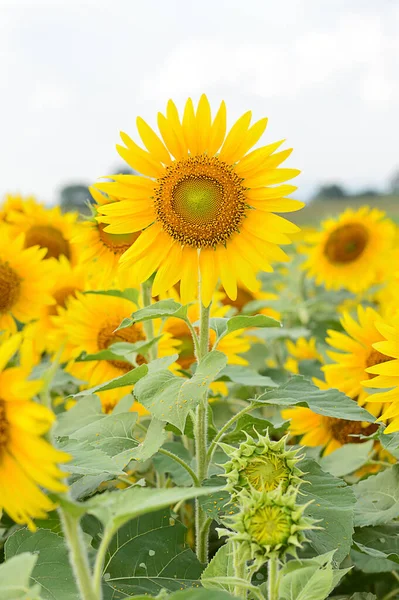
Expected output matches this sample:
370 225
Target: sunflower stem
78 555
146 293
201 435
273 578
240 569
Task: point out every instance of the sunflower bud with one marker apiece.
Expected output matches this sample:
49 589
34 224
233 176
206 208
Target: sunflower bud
269 524
261 464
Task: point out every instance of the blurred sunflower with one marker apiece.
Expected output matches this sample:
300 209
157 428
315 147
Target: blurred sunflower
350 252
86 334
47 228
302 349
204 203
100 249
385 374
28 462
13 203
25 281
356 354
244 297
328 432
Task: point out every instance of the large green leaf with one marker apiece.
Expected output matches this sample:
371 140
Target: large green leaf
379 546
333 505
170 398
129 378
149 554
121 350
114 509
299 391
309 579
221 565
15 578
245 376
347 459
52 569
377 498
223 326
158 310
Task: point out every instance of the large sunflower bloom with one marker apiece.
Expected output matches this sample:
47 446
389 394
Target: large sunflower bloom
101 250
350 251
25 280
204 203
88 324
385 374
27 461
47 228
356 354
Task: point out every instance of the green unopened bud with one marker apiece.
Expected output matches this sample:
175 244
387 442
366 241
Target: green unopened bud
269 524
261 464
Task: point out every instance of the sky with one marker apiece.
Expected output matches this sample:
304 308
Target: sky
75 73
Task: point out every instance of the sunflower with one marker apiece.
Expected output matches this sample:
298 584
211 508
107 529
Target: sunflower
385 374
27 461
329 432
47 228
245 296
302 349
101 250
350 251
204 204
356 354
13 203
88 324
25 280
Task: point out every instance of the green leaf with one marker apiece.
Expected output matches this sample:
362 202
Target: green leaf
216 503
245 376
15 575
333 505
200 594
221 565
121 350
380 545
246 424
52 569
129 378
250 321
149 554
330 403
170 398
154 439
87 410
129 294
377 498
114 509
347 459
165 464
158 310
390 442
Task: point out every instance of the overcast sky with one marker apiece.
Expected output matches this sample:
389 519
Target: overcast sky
75 73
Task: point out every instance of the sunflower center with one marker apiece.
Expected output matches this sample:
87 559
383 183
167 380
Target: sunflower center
347 432
270 526
10 287
376 358
346 243
48 237
266 473
117 243
61 296
4 427
108 336
200 201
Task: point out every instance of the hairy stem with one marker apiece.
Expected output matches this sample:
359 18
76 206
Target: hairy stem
148 326
182 463
201 440
78 555
240 570
100 558
225 429
273 578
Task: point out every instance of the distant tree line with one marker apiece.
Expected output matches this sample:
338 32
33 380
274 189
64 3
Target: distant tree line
337 191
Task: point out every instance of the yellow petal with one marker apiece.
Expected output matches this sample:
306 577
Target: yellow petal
234 137
271 177
189 127
209 274
218 130
189 275
249 139
227 275
169 272
152 142
203 124
138 161
175 145
256 158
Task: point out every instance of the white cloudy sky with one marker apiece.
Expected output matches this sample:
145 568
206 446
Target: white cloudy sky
75 72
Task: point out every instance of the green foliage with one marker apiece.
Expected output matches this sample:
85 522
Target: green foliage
15 577
347 459
51 565
298 391
377 498
333 504
171 398
158 310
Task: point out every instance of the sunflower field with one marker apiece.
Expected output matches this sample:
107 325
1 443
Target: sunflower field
198 399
